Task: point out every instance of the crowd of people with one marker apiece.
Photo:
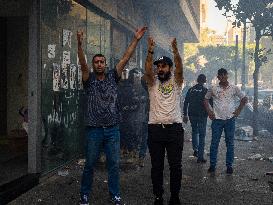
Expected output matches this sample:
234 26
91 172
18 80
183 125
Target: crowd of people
164 118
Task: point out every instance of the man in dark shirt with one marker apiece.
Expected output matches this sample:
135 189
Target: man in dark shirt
195 111
102 116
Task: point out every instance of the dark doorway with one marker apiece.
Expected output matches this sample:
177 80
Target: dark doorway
13 97
3 76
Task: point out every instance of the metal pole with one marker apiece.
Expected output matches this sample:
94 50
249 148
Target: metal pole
236 60
243 77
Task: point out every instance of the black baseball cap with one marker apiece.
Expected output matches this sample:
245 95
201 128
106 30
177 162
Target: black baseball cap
164 59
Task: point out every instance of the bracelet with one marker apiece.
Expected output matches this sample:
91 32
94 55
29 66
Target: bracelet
151 52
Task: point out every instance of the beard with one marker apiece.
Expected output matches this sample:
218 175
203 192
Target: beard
162 76
99 71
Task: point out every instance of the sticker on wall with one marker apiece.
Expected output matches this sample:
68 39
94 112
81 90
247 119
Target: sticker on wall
64 77
51 51
72 76
66 58
67 36
56 77
80 85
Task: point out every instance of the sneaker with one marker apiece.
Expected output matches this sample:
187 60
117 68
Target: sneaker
84 200
174 200
211 170
201 161
229 170
116 200
158 201
195 153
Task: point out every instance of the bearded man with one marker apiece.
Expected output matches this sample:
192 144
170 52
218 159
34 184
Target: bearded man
165 131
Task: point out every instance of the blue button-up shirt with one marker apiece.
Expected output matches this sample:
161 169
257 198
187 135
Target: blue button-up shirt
101 107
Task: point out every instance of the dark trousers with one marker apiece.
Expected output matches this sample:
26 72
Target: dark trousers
169 138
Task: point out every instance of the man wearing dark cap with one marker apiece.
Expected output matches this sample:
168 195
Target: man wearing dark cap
223 116
194 110
165 131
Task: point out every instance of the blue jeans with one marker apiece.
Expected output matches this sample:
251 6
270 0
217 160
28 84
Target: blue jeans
143 144
97 139
217 128
198 125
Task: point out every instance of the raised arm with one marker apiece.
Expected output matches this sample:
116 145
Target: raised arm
84 67
178 64
149 73
130 50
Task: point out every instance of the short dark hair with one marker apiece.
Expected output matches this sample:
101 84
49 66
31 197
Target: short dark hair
222 71
98 55
201 78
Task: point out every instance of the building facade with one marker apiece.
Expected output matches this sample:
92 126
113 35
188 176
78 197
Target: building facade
41 87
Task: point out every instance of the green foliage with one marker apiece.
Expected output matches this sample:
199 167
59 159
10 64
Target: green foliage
190 49
260 15
218 57
215 57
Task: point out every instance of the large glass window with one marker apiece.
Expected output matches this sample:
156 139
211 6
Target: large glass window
62 92
62 89
119 43
98 36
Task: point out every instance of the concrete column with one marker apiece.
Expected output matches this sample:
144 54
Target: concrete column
34 90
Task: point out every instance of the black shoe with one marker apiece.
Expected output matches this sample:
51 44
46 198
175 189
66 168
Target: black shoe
201 161
211 170
195 153
174 200
158 201
229 170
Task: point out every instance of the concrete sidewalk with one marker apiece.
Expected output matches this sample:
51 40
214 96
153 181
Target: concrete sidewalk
248 184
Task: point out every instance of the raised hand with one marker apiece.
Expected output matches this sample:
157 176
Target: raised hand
151 44
140 32
80 37
174 45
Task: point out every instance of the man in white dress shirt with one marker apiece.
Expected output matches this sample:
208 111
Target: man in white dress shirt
223 116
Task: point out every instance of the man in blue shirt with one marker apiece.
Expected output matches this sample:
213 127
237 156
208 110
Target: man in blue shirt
102 116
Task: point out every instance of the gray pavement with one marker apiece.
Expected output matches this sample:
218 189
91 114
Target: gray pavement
248 184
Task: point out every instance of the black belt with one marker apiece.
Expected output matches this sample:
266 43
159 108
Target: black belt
108 126
161 125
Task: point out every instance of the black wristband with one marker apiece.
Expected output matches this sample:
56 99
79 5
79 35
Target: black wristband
151 52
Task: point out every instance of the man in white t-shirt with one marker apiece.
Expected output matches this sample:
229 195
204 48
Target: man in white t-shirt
223 117
165 131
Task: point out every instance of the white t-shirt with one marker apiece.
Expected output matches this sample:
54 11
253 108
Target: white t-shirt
224 100
165 102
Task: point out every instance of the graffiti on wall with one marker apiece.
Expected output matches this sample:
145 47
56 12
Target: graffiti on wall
51 51
66 82
56 77
72 75
67 37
